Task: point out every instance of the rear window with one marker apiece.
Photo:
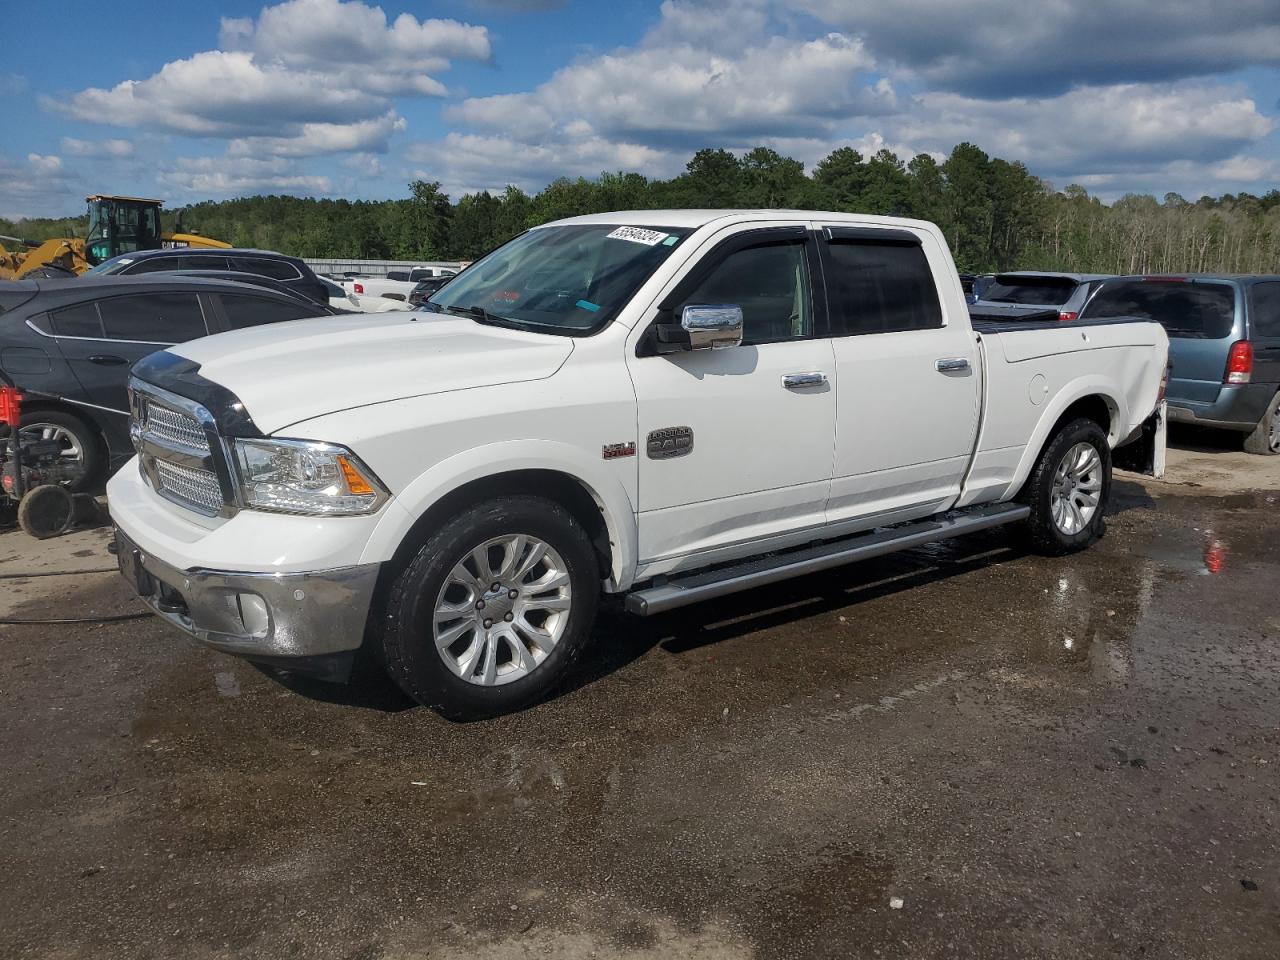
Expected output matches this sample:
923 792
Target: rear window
1036 291
1197 311
398 275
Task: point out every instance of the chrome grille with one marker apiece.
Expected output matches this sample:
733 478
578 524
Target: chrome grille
196 488
173 426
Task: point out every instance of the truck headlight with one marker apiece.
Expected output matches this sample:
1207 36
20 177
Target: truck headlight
303 476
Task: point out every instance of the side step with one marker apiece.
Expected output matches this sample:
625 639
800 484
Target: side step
697 587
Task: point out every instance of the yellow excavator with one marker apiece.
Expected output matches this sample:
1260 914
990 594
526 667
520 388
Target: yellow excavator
116 225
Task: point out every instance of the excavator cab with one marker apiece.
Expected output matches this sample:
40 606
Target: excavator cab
121 225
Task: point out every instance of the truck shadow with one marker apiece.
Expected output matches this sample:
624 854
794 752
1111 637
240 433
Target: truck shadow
620 639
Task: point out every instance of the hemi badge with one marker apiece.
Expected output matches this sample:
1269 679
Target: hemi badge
614 451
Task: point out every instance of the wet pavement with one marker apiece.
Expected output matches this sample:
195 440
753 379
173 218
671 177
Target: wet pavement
962 751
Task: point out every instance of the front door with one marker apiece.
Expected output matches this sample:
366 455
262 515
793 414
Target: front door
907 409
735 444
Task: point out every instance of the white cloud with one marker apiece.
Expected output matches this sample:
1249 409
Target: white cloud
997 48
687 95
1093 130
313 139
110 147
43 165
308 76
229 176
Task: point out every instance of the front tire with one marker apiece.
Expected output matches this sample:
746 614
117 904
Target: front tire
82 451
493 610
1068 490
1265 438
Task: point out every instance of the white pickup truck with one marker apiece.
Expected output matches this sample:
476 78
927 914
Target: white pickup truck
662 406
397 284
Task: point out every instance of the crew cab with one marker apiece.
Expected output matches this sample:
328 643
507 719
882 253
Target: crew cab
658 407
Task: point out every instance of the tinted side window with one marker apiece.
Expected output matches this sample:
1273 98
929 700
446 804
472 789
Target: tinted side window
875 287
1198 311
154 265
397 274
265 267
246 311
202 263
82 320
153 317
771 284
1265 315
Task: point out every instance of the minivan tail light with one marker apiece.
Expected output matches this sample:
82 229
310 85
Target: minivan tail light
10 406
358 287
1067 315
1239 362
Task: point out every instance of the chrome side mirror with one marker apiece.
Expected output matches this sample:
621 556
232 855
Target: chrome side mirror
711 326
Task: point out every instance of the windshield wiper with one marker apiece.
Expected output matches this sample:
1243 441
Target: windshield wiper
481 315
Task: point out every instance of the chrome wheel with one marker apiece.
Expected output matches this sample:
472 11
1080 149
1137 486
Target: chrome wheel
1077 488
1273 440
72 451
502 610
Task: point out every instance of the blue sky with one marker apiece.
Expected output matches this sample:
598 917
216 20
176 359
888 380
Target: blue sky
334 98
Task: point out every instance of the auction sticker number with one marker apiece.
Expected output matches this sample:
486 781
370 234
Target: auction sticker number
650 238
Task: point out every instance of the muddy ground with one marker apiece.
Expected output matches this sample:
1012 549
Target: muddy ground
964 751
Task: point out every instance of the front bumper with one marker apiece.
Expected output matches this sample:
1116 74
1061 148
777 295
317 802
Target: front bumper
311 622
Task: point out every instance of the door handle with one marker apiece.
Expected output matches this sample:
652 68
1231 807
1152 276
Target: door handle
952 364
107 360
795 381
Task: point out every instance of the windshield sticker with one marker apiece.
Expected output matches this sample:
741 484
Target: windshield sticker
638 235
670 241
588 305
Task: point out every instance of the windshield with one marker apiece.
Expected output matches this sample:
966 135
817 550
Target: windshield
569 280
1038 291
114 265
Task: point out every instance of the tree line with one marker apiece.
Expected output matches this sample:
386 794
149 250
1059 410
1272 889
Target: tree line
996 214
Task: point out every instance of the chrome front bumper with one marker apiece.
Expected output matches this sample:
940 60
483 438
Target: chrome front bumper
312 622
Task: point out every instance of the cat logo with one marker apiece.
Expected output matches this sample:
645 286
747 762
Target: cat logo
669 443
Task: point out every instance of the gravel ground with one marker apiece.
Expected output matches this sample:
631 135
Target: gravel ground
963 751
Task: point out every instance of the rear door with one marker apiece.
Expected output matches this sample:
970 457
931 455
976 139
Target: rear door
102 339
907 374
1200 316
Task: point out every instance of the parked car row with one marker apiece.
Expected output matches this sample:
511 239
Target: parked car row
1224 334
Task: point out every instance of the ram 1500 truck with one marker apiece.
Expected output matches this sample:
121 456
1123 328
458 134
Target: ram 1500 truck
661 406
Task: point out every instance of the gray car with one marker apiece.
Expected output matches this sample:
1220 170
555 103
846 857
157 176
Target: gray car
1039 290
1224 347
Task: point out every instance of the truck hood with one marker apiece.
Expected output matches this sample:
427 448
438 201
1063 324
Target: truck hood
287 372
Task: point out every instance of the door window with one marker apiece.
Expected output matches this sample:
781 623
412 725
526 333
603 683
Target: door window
879 287
198 262
770 282
1266 310
246 311
172 317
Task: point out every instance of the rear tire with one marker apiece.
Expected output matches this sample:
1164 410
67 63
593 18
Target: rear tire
1068 490
541 615
1265 439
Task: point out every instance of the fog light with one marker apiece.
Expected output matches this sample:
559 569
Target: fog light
253 614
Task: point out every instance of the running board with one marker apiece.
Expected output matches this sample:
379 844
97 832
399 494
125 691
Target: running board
696 587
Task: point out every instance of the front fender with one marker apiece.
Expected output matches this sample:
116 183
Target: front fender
599 478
